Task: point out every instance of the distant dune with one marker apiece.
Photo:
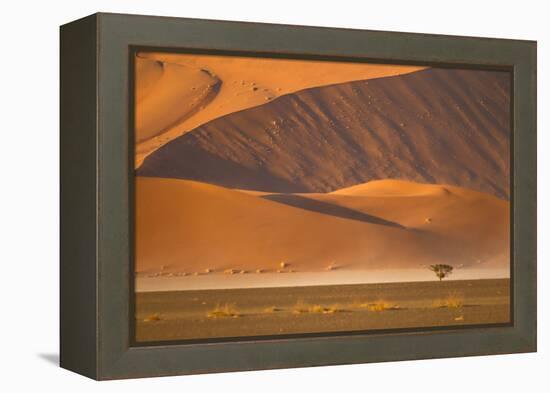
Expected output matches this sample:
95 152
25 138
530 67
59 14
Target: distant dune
187 227
438 126
179 92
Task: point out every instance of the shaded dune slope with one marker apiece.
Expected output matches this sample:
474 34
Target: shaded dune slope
191 226
186 90
432 126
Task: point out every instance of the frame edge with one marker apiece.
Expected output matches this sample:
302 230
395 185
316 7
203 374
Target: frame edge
78 197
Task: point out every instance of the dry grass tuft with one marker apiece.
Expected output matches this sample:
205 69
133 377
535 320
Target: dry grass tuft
272 309
301 308
317 308
451 301
335 308
152 318
225 311
360 305
381 305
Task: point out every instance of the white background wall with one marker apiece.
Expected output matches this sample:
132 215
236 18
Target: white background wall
29 194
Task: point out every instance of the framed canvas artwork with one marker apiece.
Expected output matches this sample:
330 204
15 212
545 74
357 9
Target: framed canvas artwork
242 196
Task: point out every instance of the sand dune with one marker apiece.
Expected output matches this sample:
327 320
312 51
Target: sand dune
167 94
467 217
176 85
190 227
395 188
439 126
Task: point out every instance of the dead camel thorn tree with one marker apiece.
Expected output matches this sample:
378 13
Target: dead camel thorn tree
441 270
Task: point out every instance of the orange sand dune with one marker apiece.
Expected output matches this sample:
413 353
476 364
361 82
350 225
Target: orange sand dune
472 220
438 126
191 227
171 88
167 94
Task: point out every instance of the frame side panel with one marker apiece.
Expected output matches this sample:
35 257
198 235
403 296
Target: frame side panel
78 190
525 196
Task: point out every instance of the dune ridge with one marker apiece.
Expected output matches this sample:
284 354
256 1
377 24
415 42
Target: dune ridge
437 126
167 94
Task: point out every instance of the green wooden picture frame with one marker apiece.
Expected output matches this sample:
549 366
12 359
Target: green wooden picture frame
97 196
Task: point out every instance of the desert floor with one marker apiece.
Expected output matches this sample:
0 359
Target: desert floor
203 314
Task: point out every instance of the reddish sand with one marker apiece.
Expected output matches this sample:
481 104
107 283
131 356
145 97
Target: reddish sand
188 228
179 92
167 94
264 172
437 126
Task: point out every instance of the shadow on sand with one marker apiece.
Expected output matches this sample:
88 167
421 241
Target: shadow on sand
329 208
